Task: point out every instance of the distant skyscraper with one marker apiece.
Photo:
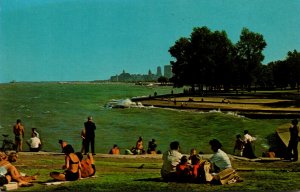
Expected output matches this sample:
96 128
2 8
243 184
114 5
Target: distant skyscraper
168 71
158 73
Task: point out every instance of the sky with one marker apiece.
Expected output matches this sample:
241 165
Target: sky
86 40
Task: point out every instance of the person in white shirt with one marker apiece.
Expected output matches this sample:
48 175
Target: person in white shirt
220 159
34 143
171 159
217 164
248 150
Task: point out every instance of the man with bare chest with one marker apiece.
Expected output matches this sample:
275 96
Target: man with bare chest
19 135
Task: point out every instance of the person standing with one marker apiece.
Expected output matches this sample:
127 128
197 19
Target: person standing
248 150
239 146
294 139
18 130
90 128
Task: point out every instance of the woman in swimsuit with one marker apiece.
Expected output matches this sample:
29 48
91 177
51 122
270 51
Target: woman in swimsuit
88 168
72 166
11 173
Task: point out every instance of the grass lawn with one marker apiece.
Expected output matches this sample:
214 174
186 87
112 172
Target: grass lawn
123 173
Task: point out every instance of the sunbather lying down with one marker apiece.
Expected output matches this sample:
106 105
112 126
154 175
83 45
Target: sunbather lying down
11 173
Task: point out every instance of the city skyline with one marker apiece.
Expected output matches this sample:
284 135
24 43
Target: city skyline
149 76
86 40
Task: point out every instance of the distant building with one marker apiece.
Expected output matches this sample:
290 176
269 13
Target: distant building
127 77
158 72
168 71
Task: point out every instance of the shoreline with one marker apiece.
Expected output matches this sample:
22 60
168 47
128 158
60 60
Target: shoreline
255 107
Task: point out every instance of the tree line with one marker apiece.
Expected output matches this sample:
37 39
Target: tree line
209 60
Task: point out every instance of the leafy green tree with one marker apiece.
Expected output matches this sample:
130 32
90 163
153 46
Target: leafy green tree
201 66
222 57
266 79
249 56
293 64
180 51
280 73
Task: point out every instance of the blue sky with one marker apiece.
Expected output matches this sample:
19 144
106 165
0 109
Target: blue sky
64 40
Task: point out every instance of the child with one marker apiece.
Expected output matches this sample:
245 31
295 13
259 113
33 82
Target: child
239 146
193 153
183 170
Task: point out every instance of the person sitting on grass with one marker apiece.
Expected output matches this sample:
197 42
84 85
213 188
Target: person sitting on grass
34 143
139 148
193 153
115 150
72 166
151 147
183 170
171 159
219 169
88 168
196 165
11 173
62 144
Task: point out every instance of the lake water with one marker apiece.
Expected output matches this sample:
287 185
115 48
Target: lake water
59 110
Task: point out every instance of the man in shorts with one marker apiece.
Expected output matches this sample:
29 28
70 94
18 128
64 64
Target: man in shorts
18 130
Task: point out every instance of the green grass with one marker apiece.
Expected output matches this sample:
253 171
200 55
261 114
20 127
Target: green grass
122 174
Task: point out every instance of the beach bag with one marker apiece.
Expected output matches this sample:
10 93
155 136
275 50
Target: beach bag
227 176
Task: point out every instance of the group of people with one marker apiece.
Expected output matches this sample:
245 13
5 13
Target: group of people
75 167
176 166
139 149
192 168
34 142
244 146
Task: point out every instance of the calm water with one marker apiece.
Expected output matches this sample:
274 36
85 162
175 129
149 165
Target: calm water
58 111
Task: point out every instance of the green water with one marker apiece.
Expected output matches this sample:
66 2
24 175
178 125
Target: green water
58 111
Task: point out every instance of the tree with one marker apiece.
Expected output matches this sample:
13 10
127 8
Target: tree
293 64
179 67
249 56
266 79
162 80
280 73
204 59
222 55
